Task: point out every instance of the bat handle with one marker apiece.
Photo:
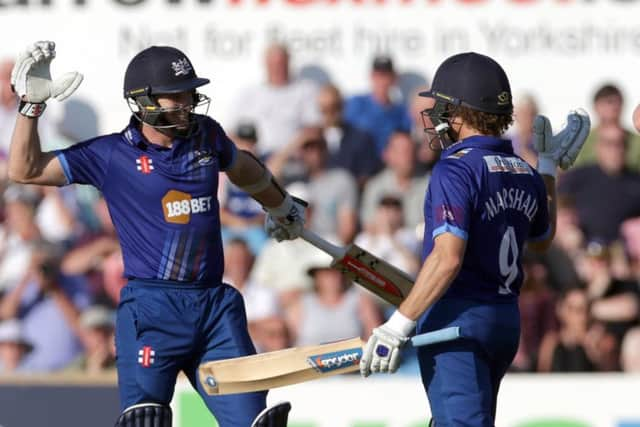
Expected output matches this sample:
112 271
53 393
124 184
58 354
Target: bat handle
440 335
335 251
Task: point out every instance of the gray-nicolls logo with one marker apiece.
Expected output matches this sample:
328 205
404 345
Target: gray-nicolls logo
181 67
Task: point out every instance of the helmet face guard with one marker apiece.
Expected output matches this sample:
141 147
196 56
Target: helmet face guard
438 126
176 121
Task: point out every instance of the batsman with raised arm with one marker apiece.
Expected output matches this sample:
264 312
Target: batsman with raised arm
159 177
483 205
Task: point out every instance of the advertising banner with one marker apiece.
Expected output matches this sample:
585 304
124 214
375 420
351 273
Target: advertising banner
570 400
559 50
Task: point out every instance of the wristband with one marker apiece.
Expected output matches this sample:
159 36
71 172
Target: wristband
401 323
31 109
547 166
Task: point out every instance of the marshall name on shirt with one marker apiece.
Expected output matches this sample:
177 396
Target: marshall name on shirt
511 198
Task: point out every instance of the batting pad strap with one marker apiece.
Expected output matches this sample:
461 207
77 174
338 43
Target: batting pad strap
547 166
401 323
31 109
264 182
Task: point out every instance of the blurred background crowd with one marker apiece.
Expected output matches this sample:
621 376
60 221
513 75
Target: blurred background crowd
362 163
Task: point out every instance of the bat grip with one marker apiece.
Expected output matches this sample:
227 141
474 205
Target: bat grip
440 335
335 251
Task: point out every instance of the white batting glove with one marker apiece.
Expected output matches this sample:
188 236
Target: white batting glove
286 222
382 351
31 77
563 148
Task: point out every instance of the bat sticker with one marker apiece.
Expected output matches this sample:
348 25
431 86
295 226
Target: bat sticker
328 362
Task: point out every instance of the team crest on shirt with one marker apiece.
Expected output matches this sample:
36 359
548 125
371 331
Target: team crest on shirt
203 157
144 164
146 356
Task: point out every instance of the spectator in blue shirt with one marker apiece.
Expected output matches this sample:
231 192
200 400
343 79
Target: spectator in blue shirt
378 112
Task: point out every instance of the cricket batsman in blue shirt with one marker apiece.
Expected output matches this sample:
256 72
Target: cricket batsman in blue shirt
159 177
483 205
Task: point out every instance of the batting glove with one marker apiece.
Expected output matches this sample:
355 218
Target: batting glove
382 351
286 222
563 148
31 77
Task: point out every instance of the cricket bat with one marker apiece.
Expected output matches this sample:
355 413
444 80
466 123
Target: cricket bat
364 268
295 365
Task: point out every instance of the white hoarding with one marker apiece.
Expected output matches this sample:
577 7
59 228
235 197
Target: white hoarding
570 400
558 49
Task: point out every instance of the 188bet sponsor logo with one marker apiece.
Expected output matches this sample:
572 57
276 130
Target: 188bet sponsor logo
178 206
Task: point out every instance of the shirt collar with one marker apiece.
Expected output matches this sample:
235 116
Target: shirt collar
481 141
132 132
134 136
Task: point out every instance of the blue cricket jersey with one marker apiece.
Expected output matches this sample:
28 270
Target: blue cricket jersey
163 201
482 192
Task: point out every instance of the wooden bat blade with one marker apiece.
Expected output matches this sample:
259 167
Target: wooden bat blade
279 368
380 277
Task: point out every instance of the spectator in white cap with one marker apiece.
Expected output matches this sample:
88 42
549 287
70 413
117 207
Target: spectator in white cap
13 346
333 310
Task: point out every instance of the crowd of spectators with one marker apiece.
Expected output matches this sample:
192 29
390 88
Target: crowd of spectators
362 164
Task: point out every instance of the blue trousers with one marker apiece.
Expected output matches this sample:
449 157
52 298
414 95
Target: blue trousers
164 328
462 377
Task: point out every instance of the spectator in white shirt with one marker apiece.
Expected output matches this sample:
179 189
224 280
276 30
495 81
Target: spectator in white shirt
18 234
388 239
264 316
280 107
